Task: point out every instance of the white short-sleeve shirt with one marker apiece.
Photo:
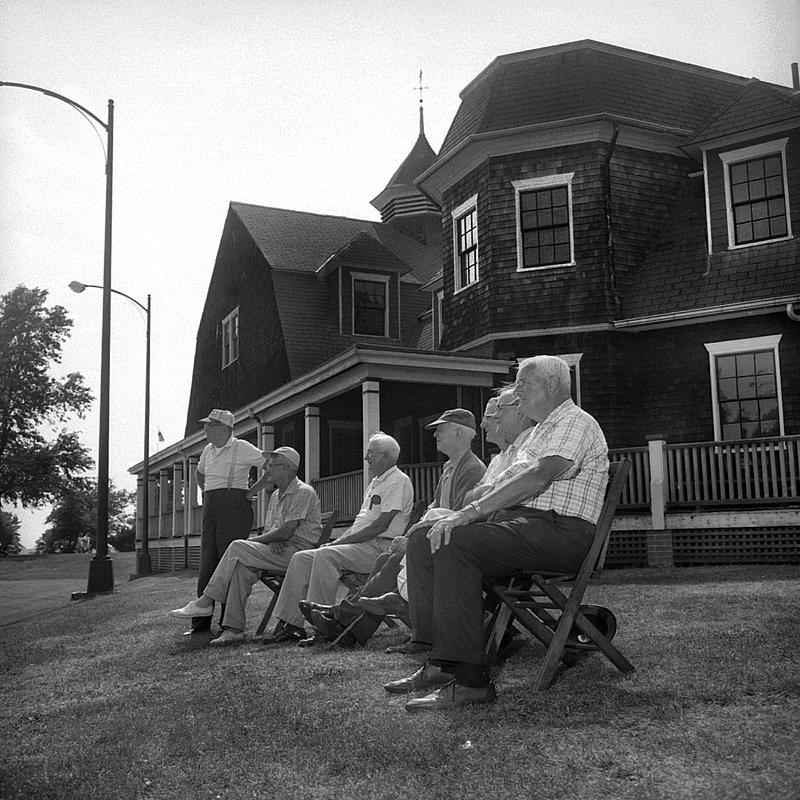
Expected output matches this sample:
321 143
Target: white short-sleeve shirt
387 492
215 464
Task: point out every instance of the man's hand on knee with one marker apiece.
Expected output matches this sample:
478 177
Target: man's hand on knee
439 534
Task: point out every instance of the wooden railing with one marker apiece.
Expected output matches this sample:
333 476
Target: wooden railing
749 472
636 492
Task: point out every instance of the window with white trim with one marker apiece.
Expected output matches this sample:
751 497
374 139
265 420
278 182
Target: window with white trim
465 243
544 222
746 388
370 304
757 195
230 338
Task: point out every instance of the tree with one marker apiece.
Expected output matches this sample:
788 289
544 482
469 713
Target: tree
33 468
9 533
73 520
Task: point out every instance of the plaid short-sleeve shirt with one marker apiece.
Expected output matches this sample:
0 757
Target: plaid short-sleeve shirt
569 432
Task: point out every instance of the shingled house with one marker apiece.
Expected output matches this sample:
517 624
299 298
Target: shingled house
633 214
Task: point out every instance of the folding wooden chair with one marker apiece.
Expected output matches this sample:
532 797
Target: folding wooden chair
531 597
273 579
355 580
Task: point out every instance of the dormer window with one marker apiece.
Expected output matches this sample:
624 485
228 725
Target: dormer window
757 197
544 222
465 243
230 338
370 304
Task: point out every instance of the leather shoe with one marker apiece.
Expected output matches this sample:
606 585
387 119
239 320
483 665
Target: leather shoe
306 607
389 603
426 677
311 641
286 633
409 648
452 695
329 628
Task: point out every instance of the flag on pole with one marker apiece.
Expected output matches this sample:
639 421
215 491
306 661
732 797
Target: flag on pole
160 435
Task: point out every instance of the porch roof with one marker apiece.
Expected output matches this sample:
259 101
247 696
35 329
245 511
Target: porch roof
347 371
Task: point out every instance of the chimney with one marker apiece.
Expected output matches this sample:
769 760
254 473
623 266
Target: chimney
795 77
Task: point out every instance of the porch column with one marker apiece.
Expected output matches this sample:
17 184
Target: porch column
177 497
312 443
139 507
370 416
266 441
163 502
190 498
152 530
659 539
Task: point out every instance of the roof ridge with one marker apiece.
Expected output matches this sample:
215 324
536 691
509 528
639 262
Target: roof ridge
306 213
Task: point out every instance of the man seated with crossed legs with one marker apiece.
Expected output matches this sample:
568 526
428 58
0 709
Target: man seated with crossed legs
453 431
540 515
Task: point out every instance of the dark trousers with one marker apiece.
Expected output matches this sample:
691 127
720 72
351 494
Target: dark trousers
445 590
227 515
382 579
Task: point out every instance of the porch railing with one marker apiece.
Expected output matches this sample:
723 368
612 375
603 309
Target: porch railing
748 472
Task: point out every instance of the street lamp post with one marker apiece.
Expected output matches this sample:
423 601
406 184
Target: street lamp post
101 570
143 566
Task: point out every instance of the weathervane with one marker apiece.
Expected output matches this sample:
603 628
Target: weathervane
419 89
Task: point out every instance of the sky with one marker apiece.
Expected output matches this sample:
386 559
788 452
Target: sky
299 104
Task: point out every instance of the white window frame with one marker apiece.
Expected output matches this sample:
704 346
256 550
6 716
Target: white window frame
439 301
372 278
230 337
731 157
733 347
533 184
456 215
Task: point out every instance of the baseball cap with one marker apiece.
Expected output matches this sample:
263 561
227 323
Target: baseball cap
458 415
220 416
289 453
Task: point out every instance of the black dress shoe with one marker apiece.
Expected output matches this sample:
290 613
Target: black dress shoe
389 603
426 677
285 633
452 695
329 629
306 607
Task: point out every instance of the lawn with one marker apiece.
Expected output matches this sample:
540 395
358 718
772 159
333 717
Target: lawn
104 699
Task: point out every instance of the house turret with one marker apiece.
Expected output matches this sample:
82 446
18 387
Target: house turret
402 205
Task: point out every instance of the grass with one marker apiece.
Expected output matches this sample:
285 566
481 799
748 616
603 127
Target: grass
103 699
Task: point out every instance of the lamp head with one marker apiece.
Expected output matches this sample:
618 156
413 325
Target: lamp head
77 286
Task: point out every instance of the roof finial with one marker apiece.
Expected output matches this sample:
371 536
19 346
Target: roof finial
421 119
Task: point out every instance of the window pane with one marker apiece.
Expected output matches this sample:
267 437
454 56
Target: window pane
726 389
773 165
739 173
530 239
765 386
562 254
761 230
749 410
527 201
742 214
746 364
531 257
744 233
759 210
755 169
764 362
774 186
559 196
729 412
546 236
778 227
750 430
731 431
544 218
768 409
726 367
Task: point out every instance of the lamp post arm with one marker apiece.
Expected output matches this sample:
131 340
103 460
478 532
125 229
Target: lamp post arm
58 96
117 291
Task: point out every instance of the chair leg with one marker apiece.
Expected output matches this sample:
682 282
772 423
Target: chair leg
346 630
267 614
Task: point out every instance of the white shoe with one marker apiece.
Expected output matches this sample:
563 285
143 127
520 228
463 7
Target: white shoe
192 609
228 637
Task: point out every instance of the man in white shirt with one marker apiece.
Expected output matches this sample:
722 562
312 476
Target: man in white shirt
313 575
292 524
223 475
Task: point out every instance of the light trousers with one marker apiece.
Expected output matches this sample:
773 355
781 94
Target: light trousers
238 571
313 575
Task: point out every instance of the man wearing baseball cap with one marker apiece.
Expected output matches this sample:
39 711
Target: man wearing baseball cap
292 524
453 431
223 472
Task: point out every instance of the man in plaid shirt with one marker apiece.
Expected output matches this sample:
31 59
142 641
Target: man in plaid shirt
540 515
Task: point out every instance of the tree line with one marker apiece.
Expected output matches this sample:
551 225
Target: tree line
41 461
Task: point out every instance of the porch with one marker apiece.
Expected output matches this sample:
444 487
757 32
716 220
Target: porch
684 504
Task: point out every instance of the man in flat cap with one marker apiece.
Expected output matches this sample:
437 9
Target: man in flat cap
453 431
292 524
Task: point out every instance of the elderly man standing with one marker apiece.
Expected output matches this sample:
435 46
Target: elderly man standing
314 575
223 473
453 431
540 515
292 524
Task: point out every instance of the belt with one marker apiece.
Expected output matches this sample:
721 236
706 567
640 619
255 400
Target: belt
213 491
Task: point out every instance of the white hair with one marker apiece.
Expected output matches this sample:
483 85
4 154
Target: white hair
547 367
386 444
